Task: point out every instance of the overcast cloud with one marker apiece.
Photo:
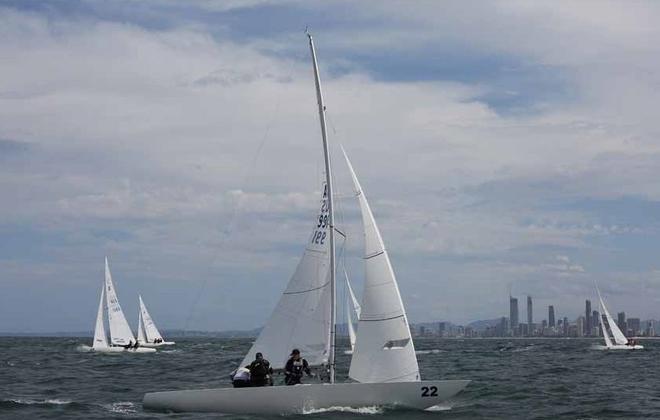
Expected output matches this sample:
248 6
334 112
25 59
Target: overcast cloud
503 146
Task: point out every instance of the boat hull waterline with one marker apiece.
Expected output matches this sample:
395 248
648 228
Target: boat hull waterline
304 398
621 347
164 343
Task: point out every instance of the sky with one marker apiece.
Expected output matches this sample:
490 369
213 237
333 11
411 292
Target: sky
505 147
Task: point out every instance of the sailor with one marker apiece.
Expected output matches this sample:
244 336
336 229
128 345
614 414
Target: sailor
260 371
129 345
241 378
295 367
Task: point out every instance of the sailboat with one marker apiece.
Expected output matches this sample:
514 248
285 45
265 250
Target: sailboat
383 366
148 334
620 340
352 307
120 332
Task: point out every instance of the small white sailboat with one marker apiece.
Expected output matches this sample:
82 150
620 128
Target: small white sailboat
384 363
120 333
148 334
620 340
352 307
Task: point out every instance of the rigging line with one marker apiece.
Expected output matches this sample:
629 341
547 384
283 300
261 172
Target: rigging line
246 178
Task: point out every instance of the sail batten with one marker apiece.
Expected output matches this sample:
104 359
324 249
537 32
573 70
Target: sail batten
384 350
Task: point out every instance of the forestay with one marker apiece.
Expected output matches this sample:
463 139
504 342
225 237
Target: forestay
619 338
100 338
120 331
149 326
384 350
302 316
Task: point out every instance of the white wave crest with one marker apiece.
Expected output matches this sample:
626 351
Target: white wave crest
433 351
52 401
356 410
122 407
439 408
83 348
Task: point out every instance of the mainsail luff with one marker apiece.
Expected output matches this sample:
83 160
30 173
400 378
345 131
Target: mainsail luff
331 217
384 349
120 331
100 337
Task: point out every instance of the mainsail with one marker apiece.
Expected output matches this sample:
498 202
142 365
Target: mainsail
140 330
384 350
149 326
606 335
100 338
120 331
619 338
302 316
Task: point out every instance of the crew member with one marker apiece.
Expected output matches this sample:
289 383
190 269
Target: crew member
241 378
295 367
260 371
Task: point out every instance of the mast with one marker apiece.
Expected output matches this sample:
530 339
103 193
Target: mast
331 216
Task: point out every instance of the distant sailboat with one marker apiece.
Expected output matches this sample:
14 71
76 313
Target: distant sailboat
620 340
148 334
383 364
120 333
352 308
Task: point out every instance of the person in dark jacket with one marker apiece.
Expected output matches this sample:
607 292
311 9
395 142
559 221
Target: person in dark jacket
260 371
295 367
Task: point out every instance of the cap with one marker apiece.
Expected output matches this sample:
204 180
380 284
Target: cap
295 351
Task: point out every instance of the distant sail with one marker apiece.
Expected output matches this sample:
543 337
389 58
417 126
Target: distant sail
100 337
384 350
120 331
150 329
301 318
140 330
619 337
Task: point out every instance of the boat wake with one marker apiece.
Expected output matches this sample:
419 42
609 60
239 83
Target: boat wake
22 401
83 348
361 410
439 408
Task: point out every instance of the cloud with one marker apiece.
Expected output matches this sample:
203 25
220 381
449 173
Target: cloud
510 145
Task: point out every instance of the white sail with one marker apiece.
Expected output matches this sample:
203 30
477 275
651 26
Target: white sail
100 338
619 337
349 324
120 331
384 350
302 316
140 330
606 335
150 329
354 301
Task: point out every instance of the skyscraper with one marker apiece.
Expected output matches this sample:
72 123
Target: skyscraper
587 317
513 313
551 316
621 321
595 318
566 326
530 318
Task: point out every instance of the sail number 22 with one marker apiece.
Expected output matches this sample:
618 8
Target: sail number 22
429 391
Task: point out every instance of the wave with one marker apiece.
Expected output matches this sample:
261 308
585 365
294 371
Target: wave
83 348
432 351
359 410
122 407
439 408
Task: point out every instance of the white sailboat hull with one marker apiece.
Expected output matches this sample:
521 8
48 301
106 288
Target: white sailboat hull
164 343
122 350
305 398
621 347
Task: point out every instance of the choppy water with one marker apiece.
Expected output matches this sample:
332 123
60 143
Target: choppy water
51 378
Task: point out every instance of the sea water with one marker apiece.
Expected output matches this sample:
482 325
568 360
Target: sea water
511 379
